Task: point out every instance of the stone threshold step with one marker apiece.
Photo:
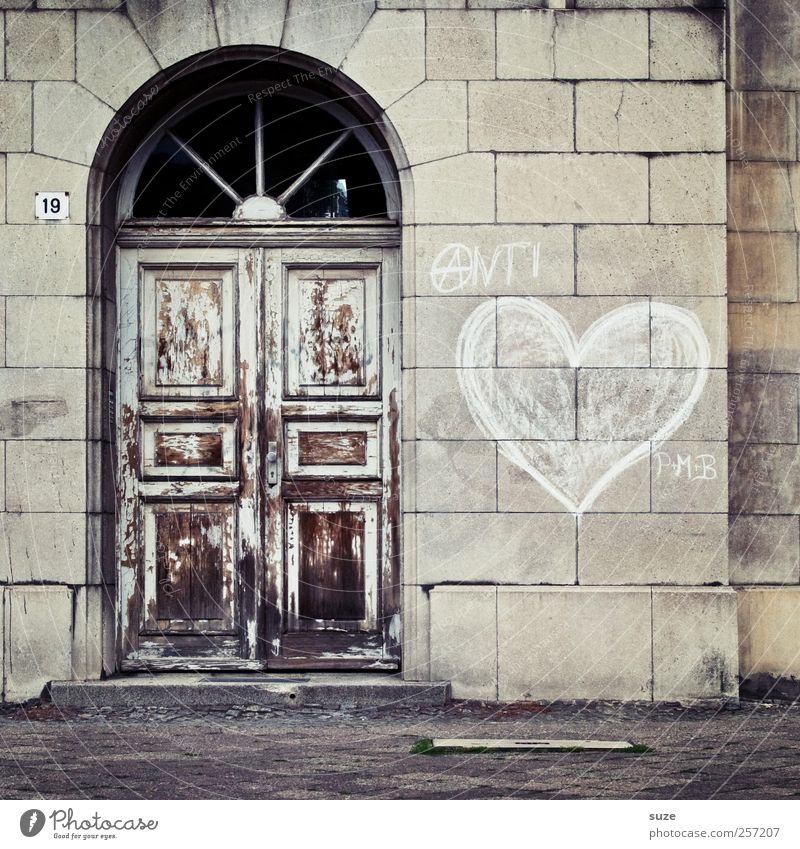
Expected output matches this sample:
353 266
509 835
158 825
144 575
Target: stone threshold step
198 690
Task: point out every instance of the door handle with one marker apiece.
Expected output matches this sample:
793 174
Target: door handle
272 463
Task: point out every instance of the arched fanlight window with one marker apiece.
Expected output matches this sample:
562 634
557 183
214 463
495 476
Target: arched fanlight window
262 158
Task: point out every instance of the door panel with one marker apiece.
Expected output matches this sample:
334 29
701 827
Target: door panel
188 331
340 362
189 450
189 567
259 458
332 556
332 328
187 490
333 448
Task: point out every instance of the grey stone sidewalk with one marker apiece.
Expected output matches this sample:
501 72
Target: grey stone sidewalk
308 753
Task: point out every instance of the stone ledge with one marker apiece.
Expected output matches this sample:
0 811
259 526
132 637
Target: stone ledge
649 4
192 690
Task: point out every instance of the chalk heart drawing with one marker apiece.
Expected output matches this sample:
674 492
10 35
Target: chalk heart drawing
643 369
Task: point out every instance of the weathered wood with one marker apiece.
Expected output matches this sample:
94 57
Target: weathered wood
328 448
392 516
332 327
336 233
169 631
173 564
319 488
224 568
206 586
249 552
199 449
187 489
332 650
189 566
187 329
332 410
187 408
301 490
182 526
189 664
333 664
331 566
128 537
188 332
331 332
272 352
201 644
194 449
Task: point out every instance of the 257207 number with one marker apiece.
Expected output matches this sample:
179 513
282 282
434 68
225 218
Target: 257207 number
757 832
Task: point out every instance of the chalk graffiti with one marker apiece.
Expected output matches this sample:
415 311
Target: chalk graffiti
458 266
575 431
702 467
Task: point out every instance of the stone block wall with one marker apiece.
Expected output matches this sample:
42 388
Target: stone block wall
764 317
581 165
567 152
45 563
68 66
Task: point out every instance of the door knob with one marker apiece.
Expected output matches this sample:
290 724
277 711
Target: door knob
272 463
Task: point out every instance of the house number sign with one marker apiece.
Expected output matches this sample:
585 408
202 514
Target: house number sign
52 206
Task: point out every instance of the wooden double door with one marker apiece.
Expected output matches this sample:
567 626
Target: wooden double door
258 458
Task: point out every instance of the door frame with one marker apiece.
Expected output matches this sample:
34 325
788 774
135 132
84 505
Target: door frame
265 620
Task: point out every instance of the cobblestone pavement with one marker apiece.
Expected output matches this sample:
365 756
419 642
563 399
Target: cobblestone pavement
749 753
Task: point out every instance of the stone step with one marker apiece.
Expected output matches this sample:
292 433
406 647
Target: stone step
206 690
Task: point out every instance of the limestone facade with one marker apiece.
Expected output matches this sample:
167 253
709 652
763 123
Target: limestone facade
569 530
764 328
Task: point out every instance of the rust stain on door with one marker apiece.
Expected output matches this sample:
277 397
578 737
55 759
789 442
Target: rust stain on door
189 564
189 332
246 482
390 584
188 449
332 448
332 335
